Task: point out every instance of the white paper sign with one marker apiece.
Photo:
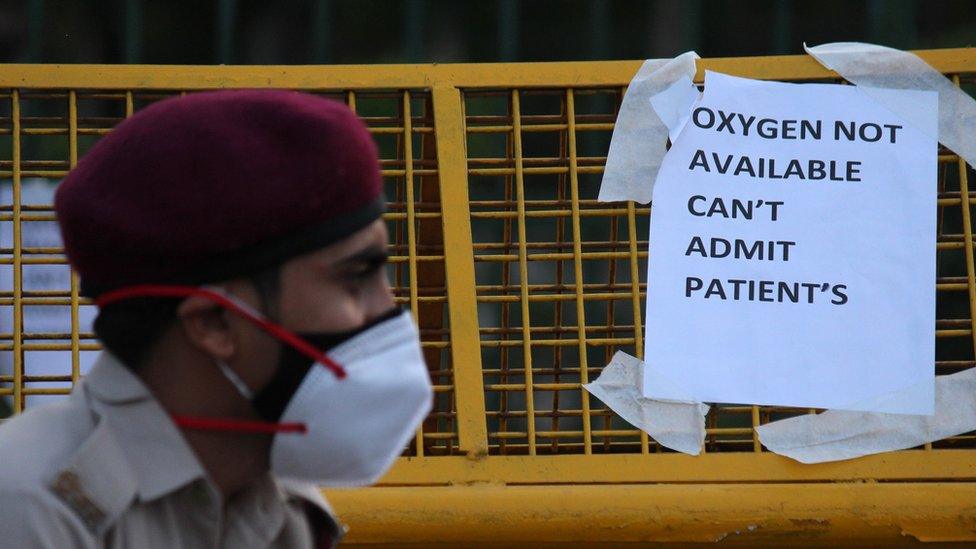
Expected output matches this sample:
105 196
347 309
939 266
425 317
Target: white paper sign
792 251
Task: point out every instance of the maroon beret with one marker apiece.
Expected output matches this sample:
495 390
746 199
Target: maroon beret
216 185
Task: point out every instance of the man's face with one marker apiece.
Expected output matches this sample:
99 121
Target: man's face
335 289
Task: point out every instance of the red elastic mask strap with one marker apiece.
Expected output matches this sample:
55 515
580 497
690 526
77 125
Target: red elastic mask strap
231 304
236 426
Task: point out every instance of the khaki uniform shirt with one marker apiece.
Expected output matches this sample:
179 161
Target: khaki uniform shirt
109 468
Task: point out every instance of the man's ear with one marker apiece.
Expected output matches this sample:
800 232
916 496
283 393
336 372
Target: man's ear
205 327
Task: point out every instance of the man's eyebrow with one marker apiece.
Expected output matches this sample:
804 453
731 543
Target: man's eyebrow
371 254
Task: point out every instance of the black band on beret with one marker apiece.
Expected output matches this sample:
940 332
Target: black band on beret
255 258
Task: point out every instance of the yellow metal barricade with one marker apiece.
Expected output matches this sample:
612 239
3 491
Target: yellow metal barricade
524 286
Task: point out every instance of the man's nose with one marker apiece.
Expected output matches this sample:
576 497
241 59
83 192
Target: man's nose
380 300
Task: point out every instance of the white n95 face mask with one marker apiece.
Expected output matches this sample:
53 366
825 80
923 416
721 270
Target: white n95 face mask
340 417
356 427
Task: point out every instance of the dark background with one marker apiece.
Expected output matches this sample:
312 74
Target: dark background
390 31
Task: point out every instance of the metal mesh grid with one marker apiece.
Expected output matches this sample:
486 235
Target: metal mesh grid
46 341
526 212
561 277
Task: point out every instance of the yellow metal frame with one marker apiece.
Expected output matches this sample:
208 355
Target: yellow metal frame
474 497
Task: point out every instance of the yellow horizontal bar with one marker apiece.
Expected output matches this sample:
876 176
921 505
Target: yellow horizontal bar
953 333
534 170
593 341
105 131
57 174
27 391
776 515
440 436
62 261
96 347
629 341
557 256
612 432
48 335
27 378
395 77
422 299
526 128
51 217
551 213
50 347
593 296
906 465
29 217
724 409
535 386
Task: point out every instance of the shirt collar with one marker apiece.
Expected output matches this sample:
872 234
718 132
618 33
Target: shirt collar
322 514
259 509
159 456
162 461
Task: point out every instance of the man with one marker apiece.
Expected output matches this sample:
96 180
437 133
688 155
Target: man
234 244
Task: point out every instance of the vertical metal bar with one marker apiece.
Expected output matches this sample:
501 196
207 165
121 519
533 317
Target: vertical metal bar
508 30
35 30
411 228
504 351
578 269
414 30
709 423
892 22
411 222
399 230
691 24
226 15
431 274
782 27
321 32
72 161
133 31
523 272
399 201
557 353
967 232
18 327
675 26
635 300
599 26
610 312
469 388
129 107
756 445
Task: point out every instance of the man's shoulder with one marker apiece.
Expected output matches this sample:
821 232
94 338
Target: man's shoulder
61 456
304 491
315 506
33 448
34 518
36 444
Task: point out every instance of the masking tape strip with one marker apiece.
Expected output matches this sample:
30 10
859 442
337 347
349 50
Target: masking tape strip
673 105
639 138
876 68
835 434
676 425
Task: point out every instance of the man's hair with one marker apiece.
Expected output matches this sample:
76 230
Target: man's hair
130 329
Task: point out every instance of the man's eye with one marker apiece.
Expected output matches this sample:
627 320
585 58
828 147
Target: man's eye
368 271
